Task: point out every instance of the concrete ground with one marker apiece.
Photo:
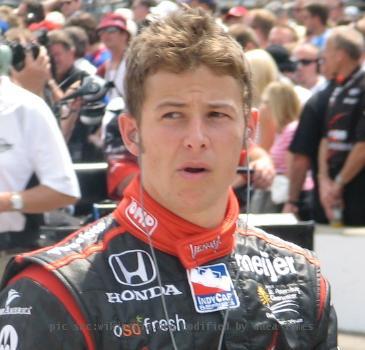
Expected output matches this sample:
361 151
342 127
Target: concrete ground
348 341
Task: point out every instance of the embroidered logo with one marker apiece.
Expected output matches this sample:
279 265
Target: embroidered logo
200 248
140 218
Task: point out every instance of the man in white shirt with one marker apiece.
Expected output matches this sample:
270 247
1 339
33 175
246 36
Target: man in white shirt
30 143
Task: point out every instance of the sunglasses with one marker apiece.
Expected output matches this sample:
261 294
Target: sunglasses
306 62
109 30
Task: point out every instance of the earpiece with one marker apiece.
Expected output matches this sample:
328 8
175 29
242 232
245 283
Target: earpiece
134 137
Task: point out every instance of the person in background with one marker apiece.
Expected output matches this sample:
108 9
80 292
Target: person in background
63 53
264 71
113 32
245 36
141 10
307 74
304 151
336 12
235 15
282 34
70 8
315 18
81 44
30 11
261 21
207 5
97 54
342 148
31 146
279 112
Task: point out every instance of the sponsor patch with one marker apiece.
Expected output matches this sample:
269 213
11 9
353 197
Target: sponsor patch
133 267
8 338
200 248
281 302
212 288
17 310
264 265
142 295
149 326
140 218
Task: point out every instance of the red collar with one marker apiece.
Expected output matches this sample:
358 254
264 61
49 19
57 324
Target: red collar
192 244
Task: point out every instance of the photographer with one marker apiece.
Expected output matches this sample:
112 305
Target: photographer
31 146
69 78
31 67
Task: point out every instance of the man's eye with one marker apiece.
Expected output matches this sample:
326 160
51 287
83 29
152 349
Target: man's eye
171 115
218 115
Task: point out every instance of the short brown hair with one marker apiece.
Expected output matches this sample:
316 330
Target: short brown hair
318 10
183 41
59 36
262 20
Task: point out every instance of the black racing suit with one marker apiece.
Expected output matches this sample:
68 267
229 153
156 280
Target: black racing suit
110 296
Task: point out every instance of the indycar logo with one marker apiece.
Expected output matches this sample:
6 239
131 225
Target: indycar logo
133 267
8 338
140 218
212 288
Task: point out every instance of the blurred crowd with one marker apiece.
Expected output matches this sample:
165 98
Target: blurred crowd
306 147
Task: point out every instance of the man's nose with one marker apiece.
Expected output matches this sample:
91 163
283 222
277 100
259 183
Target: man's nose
196 136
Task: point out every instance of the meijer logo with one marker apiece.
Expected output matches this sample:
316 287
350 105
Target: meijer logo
263 265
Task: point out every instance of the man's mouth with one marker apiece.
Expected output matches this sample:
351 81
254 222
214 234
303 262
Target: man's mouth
194 170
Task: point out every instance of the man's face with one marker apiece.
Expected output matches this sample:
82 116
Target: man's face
298 10
309 22
68 7
307 59
139 11
63 58
336 12
280 36
191 134
113 38
330 60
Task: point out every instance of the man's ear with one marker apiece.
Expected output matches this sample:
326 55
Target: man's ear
129 130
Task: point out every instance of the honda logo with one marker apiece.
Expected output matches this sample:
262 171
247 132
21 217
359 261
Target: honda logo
8 338
133 267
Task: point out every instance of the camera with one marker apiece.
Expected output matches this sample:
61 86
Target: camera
19 51
92 91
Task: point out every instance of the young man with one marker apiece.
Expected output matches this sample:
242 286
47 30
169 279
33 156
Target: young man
169 269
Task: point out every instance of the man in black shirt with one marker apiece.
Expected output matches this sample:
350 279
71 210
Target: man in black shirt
304 150
342 148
